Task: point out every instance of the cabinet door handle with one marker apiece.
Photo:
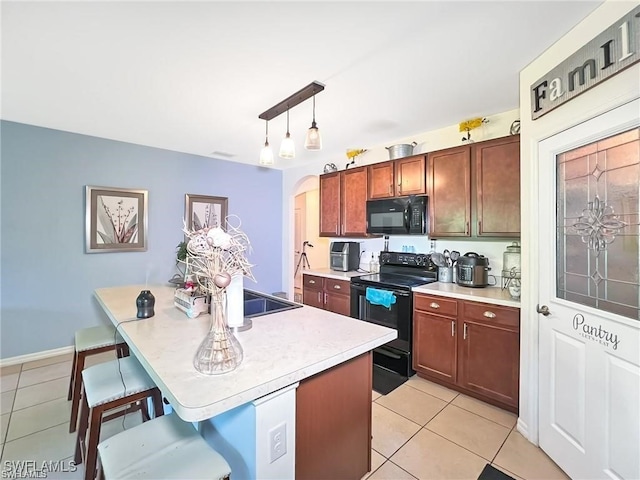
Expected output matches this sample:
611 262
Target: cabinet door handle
325 298
320 298
434 305
337 287
489 314
453 328
479 227
391 189
466 229
336 229
464 332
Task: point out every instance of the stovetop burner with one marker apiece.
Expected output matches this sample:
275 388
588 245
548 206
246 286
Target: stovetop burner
404 270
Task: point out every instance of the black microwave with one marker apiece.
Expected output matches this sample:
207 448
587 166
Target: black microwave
398 216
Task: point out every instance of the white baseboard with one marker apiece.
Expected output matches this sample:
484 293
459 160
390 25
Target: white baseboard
523 428
5 362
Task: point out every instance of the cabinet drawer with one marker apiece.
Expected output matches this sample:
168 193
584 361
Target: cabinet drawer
508 317
438 305
313 282
337 286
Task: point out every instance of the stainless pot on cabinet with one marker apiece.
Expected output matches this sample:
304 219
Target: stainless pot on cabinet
401 150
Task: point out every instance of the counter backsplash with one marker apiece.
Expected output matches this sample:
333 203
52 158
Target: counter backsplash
492 249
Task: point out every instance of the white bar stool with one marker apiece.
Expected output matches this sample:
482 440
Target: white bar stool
90 341
163 448
108 386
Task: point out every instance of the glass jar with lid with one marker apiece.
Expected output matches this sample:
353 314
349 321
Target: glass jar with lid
511 264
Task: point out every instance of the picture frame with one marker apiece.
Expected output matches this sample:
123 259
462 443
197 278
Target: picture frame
116 219
203 211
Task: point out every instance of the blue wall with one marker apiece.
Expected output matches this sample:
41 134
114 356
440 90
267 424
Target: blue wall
47 281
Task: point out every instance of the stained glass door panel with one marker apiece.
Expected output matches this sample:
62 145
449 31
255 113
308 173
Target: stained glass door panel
598 207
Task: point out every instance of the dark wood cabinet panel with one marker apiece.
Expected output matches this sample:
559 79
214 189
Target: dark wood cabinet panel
474 348
497 173
449 192
354 202
330 204
327 293
333 422
411 176
381 180
343 199
490 360
435 349
397 178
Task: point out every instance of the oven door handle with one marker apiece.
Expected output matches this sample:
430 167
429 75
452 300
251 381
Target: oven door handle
387 353
363 288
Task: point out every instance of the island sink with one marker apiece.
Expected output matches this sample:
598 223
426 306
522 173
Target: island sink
257 304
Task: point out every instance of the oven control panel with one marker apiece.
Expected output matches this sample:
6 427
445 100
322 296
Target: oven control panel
407 259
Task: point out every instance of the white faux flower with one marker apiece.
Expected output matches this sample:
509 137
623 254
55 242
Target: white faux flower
220 238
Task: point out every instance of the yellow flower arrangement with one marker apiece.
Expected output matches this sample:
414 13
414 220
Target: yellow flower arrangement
471 124
353 153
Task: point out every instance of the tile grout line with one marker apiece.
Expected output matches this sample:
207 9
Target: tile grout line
13 402
403 469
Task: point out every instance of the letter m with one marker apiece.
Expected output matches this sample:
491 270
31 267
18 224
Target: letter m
591 63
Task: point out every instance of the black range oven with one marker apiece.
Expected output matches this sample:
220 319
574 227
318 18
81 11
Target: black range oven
385 299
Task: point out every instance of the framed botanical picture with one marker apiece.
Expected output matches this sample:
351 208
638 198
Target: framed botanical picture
115 220
202 211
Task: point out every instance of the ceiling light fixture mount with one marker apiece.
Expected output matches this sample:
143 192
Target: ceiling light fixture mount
297 98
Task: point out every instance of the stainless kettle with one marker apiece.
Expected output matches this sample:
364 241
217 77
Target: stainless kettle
472 270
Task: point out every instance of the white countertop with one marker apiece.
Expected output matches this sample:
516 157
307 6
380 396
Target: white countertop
327 272
493 295
280 350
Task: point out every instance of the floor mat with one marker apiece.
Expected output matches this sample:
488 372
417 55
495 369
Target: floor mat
492 473
385 381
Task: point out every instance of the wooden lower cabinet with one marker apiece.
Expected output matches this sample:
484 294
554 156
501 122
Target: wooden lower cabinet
327 293
437 354
333 422
471 347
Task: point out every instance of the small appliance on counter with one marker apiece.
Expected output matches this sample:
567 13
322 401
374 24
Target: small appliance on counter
472 270
344 256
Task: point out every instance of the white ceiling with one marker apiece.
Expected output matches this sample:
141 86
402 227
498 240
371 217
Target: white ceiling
194 76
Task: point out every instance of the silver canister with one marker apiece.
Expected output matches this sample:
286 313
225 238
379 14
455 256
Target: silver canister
445 274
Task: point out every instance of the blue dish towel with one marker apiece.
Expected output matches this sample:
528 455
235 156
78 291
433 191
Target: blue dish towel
380 297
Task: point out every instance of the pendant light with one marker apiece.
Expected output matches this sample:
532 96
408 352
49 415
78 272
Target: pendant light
266 154
313 140
287 148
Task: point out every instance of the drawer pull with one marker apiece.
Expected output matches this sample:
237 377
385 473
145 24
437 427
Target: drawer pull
434 305
489 314
311 282
337 287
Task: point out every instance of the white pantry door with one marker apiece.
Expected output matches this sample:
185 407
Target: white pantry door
589 339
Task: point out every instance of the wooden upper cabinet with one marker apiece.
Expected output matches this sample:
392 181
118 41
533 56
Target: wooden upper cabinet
497 174
343 202
411 176
449 192
381 180
354 202
330 204
397 178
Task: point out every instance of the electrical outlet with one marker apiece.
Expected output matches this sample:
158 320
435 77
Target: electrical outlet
277 442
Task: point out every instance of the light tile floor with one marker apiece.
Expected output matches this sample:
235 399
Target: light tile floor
421 430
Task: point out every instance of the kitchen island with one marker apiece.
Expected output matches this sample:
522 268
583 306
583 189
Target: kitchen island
290 359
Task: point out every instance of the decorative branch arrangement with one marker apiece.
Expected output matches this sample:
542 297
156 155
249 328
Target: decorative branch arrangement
217 255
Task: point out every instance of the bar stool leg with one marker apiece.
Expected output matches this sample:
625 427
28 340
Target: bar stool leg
158 409
82 430
93 437
73 375
77 383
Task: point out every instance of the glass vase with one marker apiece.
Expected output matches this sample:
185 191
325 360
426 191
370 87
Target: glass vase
220 351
